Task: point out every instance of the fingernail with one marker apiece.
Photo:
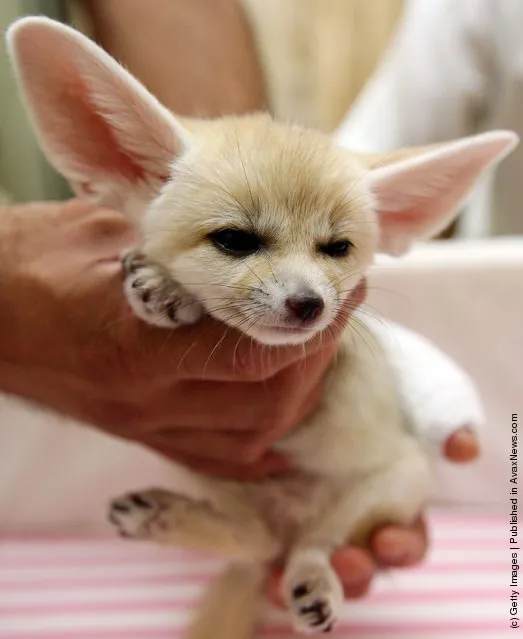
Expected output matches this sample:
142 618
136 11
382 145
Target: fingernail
355 582
400 554
462 445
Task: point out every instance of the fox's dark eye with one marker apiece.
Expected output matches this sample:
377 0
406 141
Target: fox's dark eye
336 249
234 242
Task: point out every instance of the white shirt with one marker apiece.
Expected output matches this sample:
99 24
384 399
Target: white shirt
455 67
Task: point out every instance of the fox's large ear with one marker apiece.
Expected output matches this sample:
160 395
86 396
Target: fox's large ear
98 126
418 192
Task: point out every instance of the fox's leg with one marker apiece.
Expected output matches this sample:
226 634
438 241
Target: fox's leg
395 494
228 527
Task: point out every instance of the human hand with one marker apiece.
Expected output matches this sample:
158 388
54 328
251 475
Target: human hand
70 342
389 546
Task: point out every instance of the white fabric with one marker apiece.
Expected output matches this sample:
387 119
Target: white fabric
467 298
455 67
464 296
438 395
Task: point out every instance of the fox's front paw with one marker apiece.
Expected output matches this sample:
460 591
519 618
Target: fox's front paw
154 296
139 515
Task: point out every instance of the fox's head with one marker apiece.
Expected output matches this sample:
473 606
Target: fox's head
270 225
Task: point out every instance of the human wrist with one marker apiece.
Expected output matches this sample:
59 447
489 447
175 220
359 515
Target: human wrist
7 288
10 288
7 248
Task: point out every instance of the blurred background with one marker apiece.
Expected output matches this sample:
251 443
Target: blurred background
353 68
315 60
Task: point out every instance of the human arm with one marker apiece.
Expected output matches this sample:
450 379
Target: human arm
196 56
69 342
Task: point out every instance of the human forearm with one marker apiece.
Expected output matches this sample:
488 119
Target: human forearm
196 56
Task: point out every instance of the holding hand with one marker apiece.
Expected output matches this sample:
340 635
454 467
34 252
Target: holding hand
390 546
204 395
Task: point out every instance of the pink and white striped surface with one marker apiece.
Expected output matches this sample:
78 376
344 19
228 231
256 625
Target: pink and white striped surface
72 588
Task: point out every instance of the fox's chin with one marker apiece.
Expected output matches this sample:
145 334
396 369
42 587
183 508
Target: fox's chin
282 336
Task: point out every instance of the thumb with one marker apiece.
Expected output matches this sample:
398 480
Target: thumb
215 352
462 446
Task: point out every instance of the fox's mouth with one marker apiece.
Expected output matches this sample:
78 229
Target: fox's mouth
279 334
290 329
280 331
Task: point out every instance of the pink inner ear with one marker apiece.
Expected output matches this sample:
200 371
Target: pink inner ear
405 220
79 140
96 144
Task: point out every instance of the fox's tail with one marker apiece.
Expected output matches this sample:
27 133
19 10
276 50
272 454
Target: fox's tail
232 606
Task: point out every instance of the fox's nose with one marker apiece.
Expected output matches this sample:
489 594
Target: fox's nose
306 308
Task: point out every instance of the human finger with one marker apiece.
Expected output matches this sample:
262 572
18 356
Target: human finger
210 350
400 545
462 446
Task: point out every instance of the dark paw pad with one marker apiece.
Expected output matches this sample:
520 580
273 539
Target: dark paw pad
300 591
172 310
120 507
134 261
140 502
317 612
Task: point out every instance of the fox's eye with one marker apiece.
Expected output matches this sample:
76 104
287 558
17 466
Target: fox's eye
336 249
234 242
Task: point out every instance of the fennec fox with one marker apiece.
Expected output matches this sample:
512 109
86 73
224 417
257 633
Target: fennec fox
269 228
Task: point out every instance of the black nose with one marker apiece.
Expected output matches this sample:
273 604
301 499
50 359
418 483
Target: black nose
305 308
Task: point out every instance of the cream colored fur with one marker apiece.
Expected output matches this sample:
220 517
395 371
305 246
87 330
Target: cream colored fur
359 459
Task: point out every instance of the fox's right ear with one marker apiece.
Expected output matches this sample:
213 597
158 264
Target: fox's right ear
98 126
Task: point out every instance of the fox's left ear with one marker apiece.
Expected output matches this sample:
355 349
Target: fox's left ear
418 192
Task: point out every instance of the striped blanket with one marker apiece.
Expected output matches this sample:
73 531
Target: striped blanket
102 588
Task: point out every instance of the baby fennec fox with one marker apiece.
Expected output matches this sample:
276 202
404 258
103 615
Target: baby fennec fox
269 228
